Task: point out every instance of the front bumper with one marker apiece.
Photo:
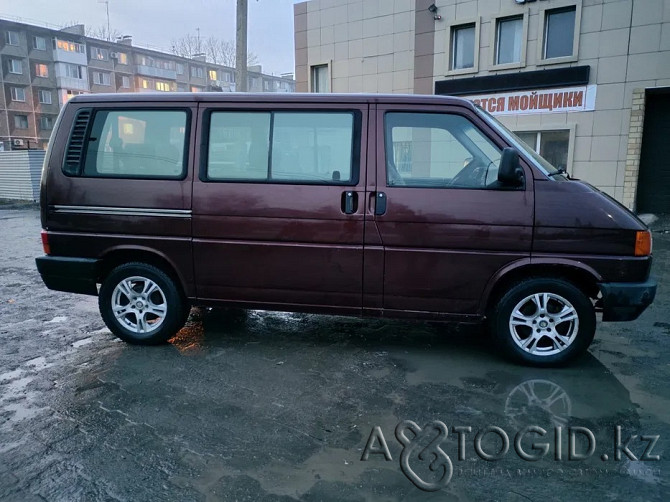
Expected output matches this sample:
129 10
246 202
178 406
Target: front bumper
73 275
625 301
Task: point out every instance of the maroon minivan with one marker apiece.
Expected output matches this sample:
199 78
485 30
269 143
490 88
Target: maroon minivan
418 207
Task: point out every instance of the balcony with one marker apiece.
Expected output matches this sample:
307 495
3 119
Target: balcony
73 56
152 71
77 84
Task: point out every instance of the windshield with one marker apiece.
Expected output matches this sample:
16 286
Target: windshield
545 166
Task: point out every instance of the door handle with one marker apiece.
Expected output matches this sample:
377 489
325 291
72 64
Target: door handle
349 202
380 203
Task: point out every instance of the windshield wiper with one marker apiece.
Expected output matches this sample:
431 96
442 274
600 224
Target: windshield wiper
560 170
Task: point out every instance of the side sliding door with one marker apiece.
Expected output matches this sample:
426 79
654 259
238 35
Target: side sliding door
278 211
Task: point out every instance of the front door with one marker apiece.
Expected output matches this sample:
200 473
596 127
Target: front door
445 223
278 211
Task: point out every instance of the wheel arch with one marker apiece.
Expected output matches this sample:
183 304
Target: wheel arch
126 254
576 273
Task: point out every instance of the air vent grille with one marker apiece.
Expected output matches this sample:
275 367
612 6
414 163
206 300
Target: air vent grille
75 147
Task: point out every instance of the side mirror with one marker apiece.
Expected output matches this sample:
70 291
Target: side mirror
510 172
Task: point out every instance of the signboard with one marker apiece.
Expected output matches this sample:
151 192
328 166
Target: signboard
566 99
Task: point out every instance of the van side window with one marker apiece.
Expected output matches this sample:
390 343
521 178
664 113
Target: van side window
282 147
438 150
136 144
239 144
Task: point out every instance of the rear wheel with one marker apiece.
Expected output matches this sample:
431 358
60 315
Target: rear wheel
142 304
544 322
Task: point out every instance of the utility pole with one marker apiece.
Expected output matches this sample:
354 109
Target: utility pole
241 47
109 34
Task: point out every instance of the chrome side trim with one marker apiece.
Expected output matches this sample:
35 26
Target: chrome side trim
123 211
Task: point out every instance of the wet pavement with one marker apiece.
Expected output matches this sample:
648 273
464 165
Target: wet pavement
275 406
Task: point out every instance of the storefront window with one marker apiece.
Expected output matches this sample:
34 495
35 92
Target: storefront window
552 145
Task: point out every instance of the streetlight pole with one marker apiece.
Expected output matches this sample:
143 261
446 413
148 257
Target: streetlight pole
241 46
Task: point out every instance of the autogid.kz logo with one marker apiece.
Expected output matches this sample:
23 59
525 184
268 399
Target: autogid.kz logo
425 462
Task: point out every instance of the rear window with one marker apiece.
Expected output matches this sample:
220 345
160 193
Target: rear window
282 147
136 144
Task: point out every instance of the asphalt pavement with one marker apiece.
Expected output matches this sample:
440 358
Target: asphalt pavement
279 406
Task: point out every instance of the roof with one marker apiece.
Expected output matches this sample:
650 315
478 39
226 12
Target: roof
269 97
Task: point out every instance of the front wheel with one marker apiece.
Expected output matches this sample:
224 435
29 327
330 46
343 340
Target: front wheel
141 304
544 322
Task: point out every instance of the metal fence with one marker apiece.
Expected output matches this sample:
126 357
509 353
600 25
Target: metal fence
20 173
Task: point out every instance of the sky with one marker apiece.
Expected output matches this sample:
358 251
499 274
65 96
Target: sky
158 22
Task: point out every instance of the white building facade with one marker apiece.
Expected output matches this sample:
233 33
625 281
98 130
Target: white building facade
586 83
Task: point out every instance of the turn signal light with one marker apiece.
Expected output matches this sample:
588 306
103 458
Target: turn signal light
643 243
45 242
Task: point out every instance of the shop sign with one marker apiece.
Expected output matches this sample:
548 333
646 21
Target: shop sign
566 99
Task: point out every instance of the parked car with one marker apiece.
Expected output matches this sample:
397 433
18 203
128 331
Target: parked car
419 207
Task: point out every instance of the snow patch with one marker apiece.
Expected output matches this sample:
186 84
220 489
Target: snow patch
60 318
82 342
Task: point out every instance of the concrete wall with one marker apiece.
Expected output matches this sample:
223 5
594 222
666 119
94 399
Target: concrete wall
368 44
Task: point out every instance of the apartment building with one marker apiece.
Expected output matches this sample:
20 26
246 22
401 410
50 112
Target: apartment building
42 68
586 83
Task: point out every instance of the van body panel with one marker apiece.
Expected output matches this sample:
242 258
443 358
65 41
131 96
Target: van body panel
443 245
280 243
113 214
592 229
176 251
588 208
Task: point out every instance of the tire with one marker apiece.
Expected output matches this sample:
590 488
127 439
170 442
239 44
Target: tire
141 304
543 322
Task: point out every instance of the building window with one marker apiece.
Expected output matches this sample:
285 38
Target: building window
101 78
21 121
145 83
195 88
559 32
552 145
122 57
46 123
15 66
125 82
163 86
40 43
18 94
69 94
509 40
463 46
197 72
45 97
65 45
12 37
212 75
100 54
73 71
320 80
41 70
180 69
